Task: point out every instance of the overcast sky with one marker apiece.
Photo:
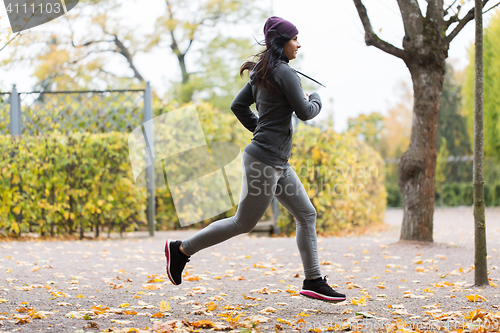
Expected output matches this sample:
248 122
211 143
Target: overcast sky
359 79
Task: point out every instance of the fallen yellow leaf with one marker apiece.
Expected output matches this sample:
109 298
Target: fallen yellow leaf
164 306
211 306
361 301
476 298
131 313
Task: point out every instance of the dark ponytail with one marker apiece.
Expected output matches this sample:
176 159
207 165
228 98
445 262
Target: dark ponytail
266 61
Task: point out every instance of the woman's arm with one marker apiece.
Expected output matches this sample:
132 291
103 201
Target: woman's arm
289 83
241 108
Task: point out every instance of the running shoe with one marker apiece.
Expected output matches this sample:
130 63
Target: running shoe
176 261
320 290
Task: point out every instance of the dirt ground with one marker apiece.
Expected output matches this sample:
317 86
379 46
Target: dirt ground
250 283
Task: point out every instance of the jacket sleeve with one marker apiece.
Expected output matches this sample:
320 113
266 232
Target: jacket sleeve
289 83
241 108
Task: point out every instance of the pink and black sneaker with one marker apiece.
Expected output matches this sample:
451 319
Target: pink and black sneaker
176 261
320 290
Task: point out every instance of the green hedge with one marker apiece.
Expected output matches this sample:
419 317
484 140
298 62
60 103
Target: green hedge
61 184
454 194
461 194
394 195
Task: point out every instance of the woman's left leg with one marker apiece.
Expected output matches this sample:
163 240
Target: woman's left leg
291 194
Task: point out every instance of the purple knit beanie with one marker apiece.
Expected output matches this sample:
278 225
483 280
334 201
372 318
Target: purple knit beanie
276 25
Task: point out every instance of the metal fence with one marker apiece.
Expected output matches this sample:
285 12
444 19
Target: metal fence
94 111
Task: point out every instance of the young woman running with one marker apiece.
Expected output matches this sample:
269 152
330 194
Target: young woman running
276 90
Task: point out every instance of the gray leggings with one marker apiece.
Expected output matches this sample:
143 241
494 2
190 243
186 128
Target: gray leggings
262 182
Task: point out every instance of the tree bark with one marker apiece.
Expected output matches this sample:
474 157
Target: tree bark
417 168
481 269
182 64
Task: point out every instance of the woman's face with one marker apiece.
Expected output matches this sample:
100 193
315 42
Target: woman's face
291 48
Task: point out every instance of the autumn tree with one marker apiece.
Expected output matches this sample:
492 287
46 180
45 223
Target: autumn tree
186 22
424 50
217 79
73 58
389 134
368 128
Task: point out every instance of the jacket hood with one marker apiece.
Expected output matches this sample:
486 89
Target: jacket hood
252 72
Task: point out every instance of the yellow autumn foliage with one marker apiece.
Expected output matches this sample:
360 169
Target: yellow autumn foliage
343 177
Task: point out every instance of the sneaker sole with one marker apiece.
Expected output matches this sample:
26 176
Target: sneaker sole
167 255
314 295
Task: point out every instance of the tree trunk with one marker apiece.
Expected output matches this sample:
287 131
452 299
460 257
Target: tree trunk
182 64
480 262
417 168
97 227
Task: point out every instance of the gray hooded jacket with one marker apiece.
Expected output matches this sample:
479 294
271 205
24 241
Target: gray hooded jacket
272 129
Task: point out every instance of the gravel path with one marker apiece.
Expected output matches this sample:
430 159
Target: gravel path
246 280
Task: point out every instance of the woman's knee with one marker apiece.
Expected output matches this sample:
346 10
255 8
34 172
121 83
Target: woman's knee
246 227
308 216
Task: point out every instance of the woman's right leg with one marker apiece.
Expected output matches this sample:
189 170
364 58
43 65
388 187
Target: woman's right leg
259 184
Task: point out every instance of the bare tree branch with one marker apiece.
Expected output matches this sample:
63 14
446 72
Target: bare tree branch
449 7
109 73
10 41
491 8
435 11
121 49
88 54
89 42
189 46
371 38
462 23
412 17
124 51
174 46
450 21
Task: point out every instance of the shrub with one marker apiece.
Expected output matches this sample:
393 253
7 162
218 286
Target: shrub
394 195
60 184
496 192
467 194
488 195
343 177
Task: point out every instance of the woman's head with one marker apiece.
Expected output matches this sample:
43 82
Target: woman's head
276 26
281 44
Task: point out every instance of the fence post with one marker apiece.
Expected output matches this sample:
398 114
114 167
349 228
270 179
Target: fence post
15 112
150 175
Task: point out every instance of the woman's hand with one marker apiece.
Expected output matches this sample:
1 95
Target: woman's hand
307 94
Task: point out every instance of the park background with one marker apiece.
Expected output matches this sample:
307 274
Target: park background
365 123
